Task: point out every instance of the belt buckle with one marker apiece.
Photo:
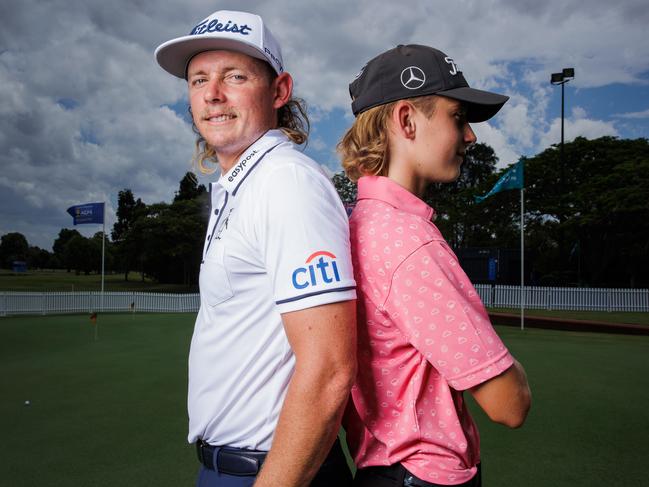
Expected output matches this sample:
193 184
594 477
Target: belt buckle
200 444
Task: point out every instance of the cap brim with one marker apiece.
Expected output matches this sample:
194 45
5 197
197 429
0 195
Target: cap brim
481 105
174 55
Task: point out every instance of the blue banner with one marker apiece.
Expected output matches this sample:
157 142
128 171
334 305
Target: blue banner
512 179
88 213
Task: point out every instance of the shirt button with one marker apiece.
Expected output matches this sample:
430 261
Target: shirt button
216 211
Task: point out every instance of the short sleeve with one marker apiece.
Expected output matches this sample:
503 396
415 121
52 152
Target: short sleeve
435 305
304 235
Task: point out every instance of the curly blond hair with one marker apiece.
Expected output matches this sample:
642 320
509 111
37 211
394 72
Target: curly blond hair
365 148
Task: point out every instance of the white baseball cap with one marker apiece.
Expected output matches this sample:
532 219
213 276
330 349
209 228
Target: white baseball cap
225 29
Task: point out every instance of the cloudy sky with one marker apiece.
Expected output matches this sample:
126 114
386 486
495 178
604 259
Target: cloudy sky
86 112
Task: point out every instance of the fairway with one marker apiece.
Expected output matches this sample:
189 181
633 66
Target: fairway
112 412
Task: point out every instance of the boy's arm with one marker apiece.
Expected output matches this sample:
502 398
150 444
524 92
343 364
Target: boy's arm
506 398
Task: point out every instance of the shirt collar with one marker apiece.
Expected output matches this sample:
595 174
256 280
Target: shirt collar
232 179
388 191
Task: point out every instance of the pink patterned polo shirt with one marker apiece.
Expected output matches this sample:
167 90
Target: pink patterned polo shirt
424 337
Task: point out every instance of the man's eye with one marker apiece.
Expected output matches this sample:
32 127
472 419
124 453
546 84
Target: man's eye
198 81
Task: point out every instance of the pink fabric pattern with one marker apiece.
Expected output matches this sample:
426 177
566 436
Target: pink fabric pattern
424 337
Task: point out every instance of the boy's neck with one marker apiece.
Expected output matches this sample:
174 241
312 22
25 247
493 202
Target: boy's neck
400 173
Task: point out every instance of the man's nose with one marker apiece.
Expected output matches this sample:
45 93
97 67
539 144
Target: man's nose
213 91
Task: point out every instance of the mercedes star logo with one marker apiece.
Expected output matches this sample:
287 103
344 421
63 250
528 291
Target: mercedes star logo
413 78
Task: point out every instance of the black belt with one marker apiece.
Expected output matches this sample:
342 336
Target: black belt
400 476
231 461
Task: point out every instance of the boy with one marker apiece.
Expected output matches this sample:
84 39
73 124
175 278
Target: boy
424 336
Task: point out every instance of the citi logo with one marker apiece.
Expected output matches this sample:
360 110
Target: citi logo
318 270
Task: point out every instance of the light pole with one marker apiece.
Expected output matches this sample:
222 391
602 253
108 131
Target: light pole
561 79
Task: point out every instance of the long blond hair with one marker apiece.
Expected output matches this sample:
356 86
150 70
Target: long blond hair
365 148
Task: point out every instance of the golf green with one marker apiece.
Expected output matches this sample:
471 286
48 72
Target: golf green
111 411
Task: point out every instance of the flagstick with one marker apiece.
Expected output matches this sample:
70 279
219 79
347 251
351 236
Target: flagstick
103 247
522 261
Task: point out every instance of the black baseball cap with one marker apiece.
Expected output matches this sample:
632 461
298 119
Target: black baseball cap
413 70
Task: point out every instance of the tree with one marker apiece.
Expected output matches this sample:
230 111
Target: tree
346 189
189 188
13 246
38 258
65 235
127 242
97 242
81 255
595 220
172 238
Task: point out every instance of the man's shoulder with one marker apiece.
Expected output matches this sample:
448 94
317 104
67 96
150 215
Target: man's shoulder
285 163
286 155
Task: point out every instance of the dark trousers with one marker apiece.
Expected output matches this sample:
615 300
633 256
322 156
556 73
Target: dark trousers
398 476
334 472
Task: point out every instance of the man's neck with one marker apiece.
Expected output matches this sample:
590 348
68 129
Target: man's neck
228 159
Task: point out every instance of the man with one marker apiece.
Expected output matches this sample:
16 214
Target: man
424 335
272 357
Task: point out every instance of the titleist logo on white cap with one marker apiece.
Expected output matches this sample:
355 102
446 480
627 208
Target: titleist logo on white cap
225 29
212 24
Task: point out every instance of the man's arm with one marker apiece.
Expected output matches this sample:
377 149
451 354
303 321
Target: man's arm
323 339
505 398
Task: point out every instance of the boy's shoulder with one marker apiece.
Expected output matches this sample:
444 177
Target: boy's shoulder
384 237
389 223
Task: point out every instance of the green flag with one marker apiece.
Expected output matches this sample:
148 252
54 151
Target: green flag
512 179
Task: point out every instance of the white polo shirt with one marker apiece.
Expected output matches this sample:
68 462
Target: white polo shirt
278 241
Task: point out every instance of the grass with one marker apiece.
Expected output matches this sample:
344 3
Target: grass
61 280
114 409
589 416
103 413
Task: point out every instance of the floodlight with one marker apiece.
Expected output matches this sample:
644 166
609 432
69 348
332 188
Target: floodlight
556 78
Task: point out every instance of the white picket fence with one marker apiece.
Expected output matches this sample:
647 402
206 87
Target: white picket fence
15 303
565 298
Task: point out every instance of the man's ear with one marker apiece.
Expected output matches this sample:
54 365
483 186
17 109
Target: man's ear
282 90
403 119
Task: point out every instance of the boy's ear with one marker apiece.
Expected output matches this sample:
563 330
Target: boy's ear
403 119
